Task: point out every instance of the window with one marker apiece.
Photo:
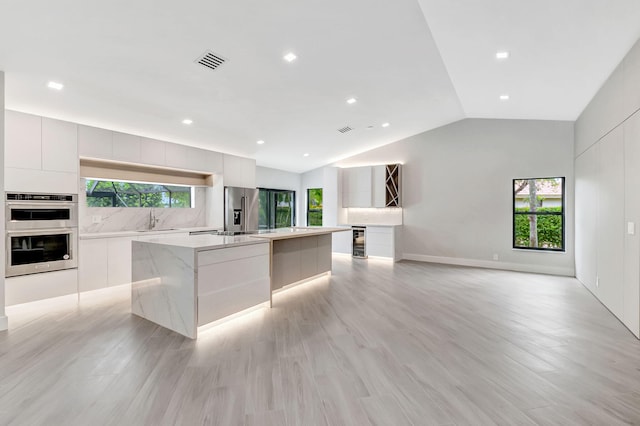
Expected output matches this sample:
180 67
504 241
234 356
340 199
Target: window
538 214
104 193
314 207
276 208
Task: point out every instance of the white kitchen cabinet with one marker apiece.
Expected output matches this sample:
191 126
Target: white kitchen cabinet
94 142
380 241
26 180
92 264
176 156
59 146
126 148
29 288
41 154
371 186
119 261
239 171
378 189
152 151
356 187
203 160
23 133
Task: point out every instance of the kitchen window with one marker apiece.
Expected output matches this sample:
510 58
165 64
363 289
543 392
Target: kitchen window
314 207
104 193
538 214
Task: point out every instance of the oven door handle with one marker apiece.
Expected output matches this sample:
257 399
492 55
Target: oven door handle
42 205
35 232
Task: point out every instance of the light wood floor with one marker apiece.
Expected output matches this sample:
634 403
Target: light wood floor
376 343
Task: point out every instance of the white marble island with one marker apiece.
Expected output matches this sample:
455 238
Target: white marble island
184 282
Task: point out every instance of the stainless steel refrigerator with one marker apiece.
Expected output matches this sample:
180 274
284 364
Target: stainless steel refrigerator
240 209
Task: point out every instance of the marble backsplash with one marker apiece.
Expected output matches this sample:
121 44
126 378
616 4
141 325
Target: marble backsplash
115 219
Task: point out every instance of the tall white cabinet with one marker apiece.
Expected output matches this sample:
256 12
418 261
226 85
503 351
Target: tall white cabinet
41 154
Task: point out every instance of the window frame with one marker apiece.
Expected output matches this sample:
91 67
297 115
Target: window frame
114 195
514 214
270 193
310 210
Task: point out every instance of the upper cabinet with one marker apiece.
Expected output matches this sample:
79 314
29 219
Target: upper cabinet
371 186
357 187
101 144
41 154
239 171
23 134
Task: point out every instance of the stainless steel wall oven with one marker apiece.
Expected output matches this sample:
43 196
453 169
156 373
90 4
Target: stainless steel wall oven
41 232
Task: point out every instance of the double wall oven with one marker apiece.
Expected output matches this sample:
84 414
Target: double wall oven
41 232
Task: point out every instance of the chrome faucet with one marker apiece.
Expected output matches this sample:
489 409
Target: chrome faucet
152 220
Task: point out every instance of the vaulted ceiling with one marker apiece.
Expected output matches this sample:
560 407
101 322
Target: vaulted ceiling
415 64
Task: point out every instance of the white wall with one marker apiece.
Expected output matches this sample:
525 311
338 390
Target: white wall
457 190
607 159
3 318
279 179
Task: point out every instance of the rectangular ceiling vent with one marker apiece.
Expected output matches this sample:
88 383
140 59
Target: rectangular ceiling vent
210 60
345 129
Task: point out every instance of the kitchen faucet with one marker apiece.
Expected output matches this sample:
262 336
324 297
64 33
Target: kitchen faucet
152 220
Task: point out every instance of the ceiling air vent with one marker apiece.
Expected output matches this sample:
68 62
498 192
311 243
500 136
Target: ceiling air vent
210 60
345 129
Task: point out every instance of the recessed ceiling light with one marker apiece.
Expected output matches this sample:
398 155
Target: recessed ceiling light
352 101
54 85
306 154
502 55
187 121
260 142
290 57
504 97
386 124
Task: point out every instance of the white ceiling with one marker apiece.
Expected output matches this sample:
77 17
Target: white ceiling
129 66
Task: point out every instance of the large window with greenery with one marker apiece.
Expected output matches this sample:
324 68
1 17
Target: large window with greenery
102 193
276 208
314 207
538 213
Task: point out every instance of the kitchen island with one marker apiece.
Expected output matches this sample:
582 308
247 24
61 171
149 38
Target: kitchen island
182 283
298 254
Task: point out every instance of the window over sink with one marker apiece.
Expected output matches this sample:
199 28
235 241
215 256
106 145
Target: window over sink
110 193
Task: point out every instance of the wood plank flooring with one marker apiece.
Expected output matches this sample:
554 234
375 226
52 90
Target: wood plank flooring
376 343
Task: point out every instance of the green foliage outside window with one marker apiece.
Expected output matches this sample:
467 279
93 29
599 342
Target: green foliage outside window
549 228
314 207
128 194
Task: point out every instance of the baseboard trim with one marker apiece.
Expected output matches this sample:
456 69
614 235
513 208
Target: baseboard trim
489 264
4 323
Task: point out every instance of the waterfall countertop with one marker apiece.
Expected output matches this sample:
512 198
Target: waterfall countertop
212 242
203 242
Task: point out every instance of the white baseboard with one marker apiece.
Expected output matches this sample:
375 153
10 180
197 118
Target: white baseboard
4 323
490 264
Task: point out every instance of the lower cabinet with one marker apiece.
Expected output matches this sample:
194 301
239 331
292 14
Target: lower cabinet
380 241
105 262
296 259
231 280
92 264
29 288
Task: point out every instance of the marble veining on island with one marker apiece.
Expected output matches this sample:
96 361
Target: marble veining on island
183 282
